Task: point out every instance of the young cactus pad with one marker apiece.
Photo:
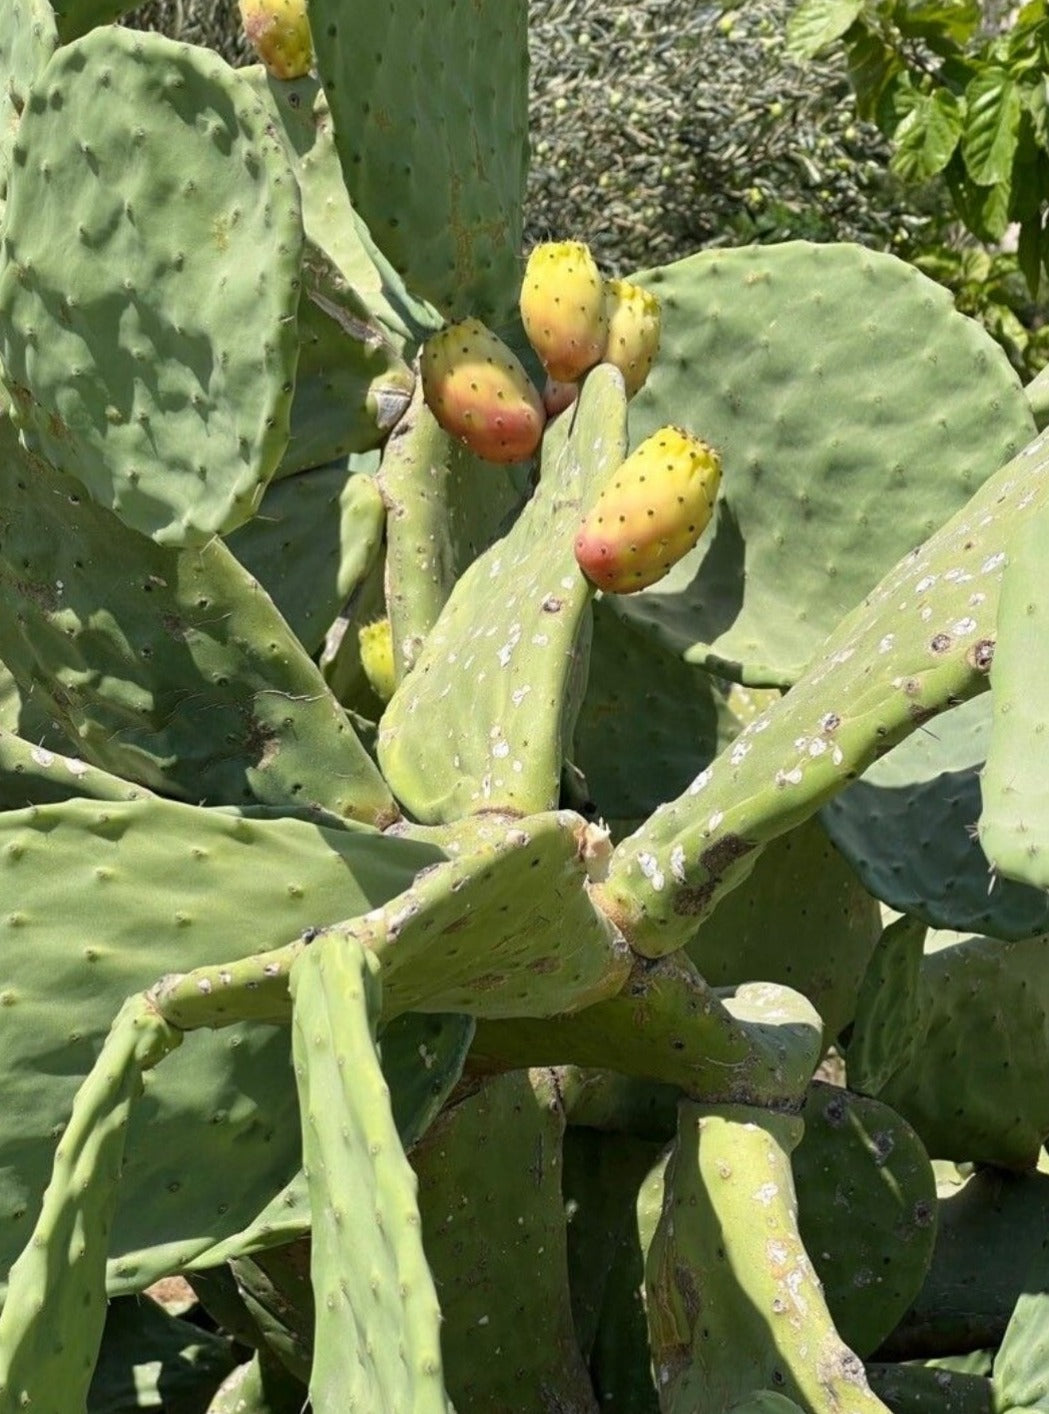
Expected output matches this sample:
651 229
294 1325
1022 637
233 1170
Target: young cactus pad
659 503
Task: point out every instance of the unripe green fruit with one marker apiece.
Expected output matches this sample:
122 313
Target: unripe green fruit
654 511
479 392
563 308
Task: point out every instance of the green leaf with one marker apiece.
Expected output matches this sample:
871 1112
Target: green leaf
928 136
955 21
993 103
873 64
817 23
1029 253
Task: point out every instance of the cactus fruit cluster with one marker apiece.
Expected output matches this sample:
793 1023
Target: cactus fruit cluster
483 895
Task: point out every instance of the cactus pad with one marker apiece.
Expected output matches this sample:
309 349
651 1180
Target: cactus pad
430 109
111 895
376 1342
494 1229
867 1211
907 827
174 639
510 642
155 368
829 503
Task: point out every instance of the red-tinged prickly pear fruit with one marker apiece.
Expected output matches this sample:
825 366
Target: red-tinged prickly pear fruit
558 396
563 308
478 391
651 514
279 32
634 325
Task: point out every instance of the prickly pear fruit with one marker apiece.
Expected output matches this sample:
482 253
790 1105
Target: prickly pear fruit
651 514
634 323
478 391
558 396
376 647
279 32
563 308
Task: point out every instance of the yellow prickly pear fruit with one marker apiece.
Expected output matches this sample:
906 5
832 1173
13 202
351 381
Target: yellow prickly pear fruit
279 32
563 308
376 645
652 513
478 391
634 325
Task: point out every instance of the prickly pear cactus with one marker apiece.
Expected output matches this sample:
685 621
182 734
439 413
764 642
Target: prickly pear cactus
426 923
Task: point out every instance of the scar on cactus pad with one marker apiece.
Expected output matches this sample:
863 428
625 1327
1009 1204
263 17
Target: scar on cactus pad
563 308
479 392
657 506
279 32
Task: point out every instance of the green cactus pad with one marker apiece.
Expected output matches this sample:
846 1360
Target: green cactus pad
510 642
351 388
27 40
104 898
444 506
601 1176
891 1010
648 723
376 1342
620 1364
1021 1366
275 1288
980 1007
260 1386
984 1244
315 539
333 228
867 1211
827 503
907 828
430 110
170 668
154 367
422 1059
494 1229
921 642
759 1044
35 775
504 927
734 1306
1014 826
912 1389
802 920
52 1321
